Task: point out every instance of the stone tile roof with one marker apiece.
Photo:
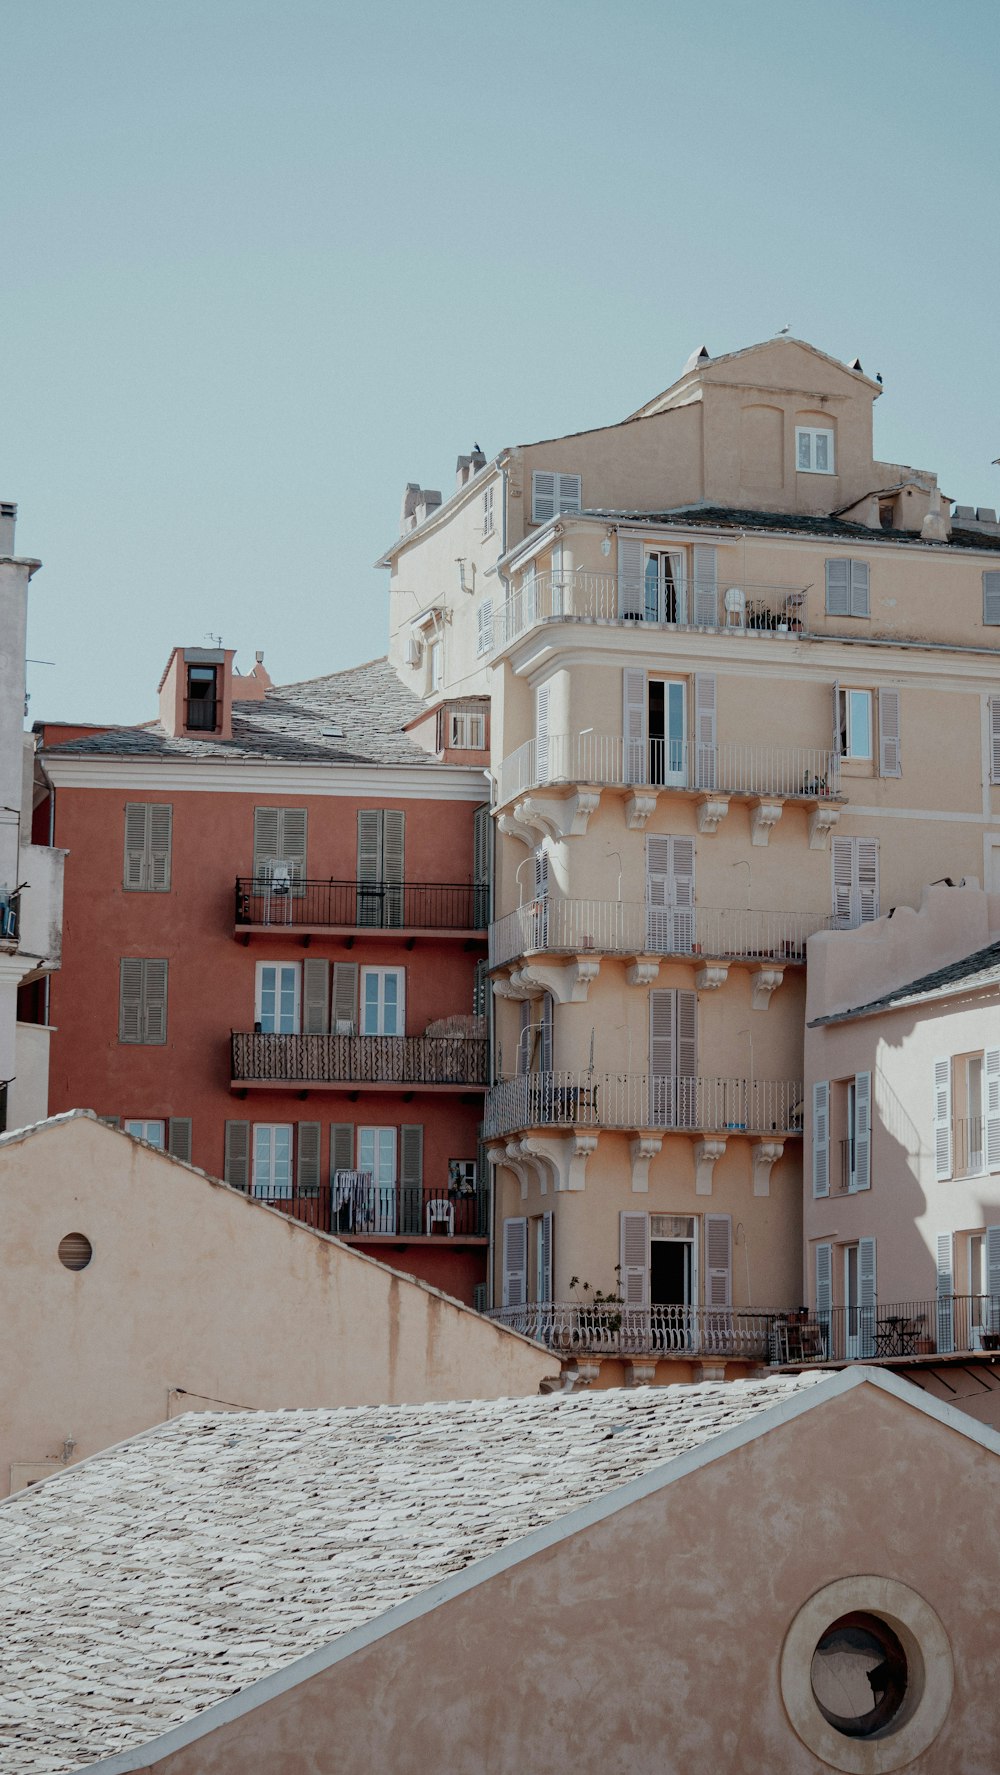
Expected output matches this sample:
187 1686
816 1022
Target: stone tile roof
369 703
980 969
722 517
166 1574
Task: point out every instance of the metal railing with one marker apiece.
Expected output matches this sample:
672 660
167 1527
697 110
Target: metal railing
358 1059
579 596
809 773
616 927
355 1206
354 905
643 1100
952 1324
613 1329
968 1146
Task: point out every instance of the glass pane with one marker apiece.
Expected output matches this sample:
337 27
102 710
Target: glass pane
283 1158
652 607
287 1017
369 1017
268 998
390 1012
822 451
804 451
386 1172
262 1158
366 1149
977 1267
860 717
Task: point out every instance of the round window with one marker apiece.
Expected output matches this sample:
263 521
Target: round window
859 1675
75 1251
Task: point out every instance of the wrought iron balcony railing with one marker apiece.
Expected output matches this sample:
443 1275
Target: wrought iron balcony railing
354 1206
616 927
952 1324
578 596
789 773
355 905
644 1100
442 1060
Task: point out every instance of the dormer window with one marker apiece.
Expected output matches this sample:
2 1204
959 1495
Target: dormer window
814 451
202 699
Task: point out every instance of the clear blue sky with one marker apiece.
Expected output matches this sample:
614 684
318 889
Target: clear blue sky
264 261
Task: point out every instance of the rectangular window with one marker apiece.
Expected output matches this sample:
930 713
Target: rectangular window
466 730
488 509
380 867
148 843
151 1132
814 453
202 699
665 587
855 872
667 728
142 1001
968 1129
374 1208
277 999
383 996
855 724
848 590
272 1160
552 494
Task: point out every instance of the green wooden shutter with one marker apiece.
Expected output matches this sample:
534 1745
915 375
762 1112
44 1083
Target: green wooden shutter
130 985
154 1017
345 996
160 830
292 840
315 996
341 1148
179 1138
135 873
308 1157
237 1159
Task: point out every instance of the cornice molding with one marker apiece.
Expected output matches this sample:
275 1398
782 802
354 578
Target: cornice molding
252 776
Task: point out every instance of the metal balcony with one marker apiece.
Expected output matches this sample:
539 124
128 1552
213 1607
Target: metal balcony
358 1062
616 927
600 760
581 597
355 1207
634 1101
444 908
953 1324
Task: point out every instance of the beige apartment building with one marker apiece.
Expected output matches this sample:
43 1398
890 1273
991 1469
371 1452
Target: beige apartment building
741 684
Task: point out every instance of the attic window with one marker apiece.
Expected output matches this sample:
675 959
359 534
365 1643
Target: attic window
814 451
887 513
202 699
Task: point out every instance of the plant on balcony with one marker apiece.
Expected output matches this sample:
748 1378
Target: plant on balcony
600 1314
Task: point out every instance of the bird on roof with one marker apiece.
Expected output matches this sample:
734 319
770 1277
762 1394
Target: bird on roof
996 462
878 377
783 330
476 451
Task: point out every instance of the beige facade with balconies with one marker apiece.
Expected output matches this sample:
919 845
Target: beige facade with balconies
745 684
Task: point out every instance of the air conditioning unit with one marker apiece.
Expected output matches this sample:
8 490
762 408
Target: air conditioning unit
279 876
343 1026
414 650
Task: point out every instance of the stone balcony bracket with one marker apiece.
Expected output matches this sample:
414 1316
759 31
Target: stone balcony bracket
640 1374
566 1156
821 823
642 1149
569 982
708 1371
568 817
513 986
707 1153
643 971
710 978
764 816
512 828
765 981
536 1161
712 810
637 811
766 1154
506 1155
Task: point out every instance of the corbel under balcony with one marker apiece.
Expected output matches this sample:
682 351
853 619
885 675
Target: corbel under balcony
766 1154
765 981
569 982
821 823
712 810
568 817
643 971
707 1154
711 977
512 986
533 1156
500 1155
637 811
565 1155
764 816
512 828
642 1149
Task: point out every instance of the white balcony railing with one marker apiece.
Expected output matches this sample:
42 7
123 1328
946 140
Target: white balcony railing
744 609
616 927
632 1101
604 1328
807 773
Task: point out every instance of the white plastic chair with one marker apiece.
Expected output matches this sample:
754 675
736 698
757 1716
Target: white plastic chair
736 608
438 1211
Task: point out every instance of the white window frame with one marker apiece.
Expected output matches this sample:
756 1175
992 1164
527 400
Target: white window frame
295 968
489 509
153 1133
463 727
677 561
811 436
846 714
381 975
272 1176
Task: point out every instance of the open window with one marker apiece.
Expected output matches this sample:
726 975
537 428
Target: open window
202 699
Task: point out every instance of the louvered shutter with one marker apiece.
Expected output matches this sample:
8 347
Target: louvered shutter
542 733
863 1131
292 839
991 597
345 997
634 1259
860 601
942 1119
993 1277
341 1148
992 1109
569 490
838 588
705 730
545 1050
839 744
315 996
524 1039
179 1138
135 871
265 840
484 636
994 708
154 1001
393 872
945 1292
889 759
411 1162
663 1057
369 866
866 1298
237 1160
545 1259
706 585
867 879
824 1279
687 1035
631 568
718 1260
130 1000
634 724
307 1175
541 862
515 1261
543 497
821 1137
482 864
161 815
682 894
842 862
658 883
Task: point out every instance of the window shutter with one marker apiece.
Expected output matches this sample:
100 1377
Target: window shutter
544 1288
545 1045
658 889
634 724
866 1298
821 1138
945 1295
482 862
992 1109
515 1261
308 1158
993 1276
991 597
687 1036
661 1033
292 835
867 867
942 1119
345 995
154 1001
838 588
265 839
631 568
842 861
161 815
682 894
634 1259
889 764
542 733
543 497
411 1146
484 635
706 585
237 1160
839 745
130 985
704 730
994 705
824 1279
569 490
315 996
179 1138
135 872
341 1148
393 825
863 1131
369 844
860 601
718 1260
541 862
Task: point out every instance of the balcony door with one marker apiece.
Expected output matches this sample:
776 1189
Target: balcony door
669 894
375 1201
664 587
380 866
673 1280
667 732
383 1001
272 1161
859 1300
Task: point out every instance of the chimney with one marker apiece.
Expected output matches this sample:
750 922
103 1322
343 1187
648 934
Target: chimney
8 519
467 466
427 502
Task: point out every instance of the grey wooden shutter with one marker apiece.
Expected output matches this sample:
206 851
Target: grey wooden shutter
687 1036
634 696
662 1052
838 588
307 1174
160 829
411 1156
993 1277
482 865
265 839
292 837
393 873
991 597
705 748
154 1001
544 1290
945 1295
863 1131
369 868
631 568
237 1160
942 1118
867 1294
992 1070
681 891
543 497
634 1259
135 871
341 1148
824 1282
860 600
889 761
994 710
542 733
130 997
706 585
569 489
545 1045
515 1261
179 1138
484 637
345 997
718 1260
659 921
866 852
842 868
821 1138
315 996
